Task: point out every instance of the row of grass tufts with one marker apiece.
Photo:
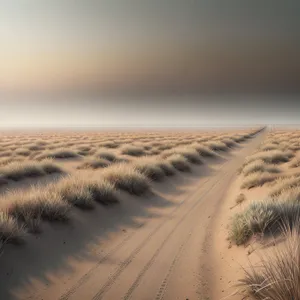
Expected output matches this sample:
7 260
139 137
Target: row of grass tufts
21 170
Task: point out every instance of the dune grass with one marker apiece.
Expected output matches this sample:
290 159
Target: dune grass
106 155
189 153
133 150
94 163
167 167
278 273
283 185
10 230
23 152
259 166
179 162
203 150
58 154
83 193
263 217
272 156
21 170
150 167
229 142
37 203
257 179
216 146
126 177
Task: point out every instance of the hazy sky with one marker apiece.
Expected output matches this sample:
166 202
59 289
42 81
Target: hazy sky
148 62
128 45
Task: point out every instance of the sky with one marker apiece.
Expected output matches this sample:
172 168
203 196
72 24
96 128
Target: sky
78 59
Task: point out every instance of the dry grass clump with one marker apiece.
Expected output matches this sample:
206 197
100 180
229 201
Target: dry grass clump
277 276
18 171
133 150
257 179
109 144
37 203
203 150
83 193
35 147
22 152
5 153
284 185
150 167
179 162
263 217
10 230
228 142
269 147
191 154
127 177
95 163
259 166
167 167
272 156
106 155
58 154
216 146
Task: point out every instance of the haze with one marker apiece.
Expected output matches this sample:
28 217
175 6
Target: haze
76 53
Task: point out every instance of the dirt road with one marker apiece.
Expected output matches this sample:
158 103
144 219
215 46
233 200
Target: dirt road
164 256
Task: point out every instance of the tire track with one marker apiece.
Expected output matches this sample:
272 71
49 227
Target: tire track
126 263
89 274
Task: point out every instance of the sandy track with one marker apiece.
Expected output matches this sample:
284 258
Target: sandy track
164 261
163 258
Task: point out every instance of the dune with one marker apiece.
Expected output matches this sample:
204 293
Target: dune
131 230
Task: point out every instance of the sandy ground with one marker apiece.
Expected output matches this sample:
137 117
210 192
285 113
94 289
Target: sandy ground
163 246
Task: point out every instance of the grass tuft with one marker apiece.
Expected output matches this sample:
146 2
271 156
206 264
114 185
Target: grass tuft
127 177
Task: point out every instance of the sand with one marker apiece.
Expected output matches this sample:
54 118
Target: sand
161 246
